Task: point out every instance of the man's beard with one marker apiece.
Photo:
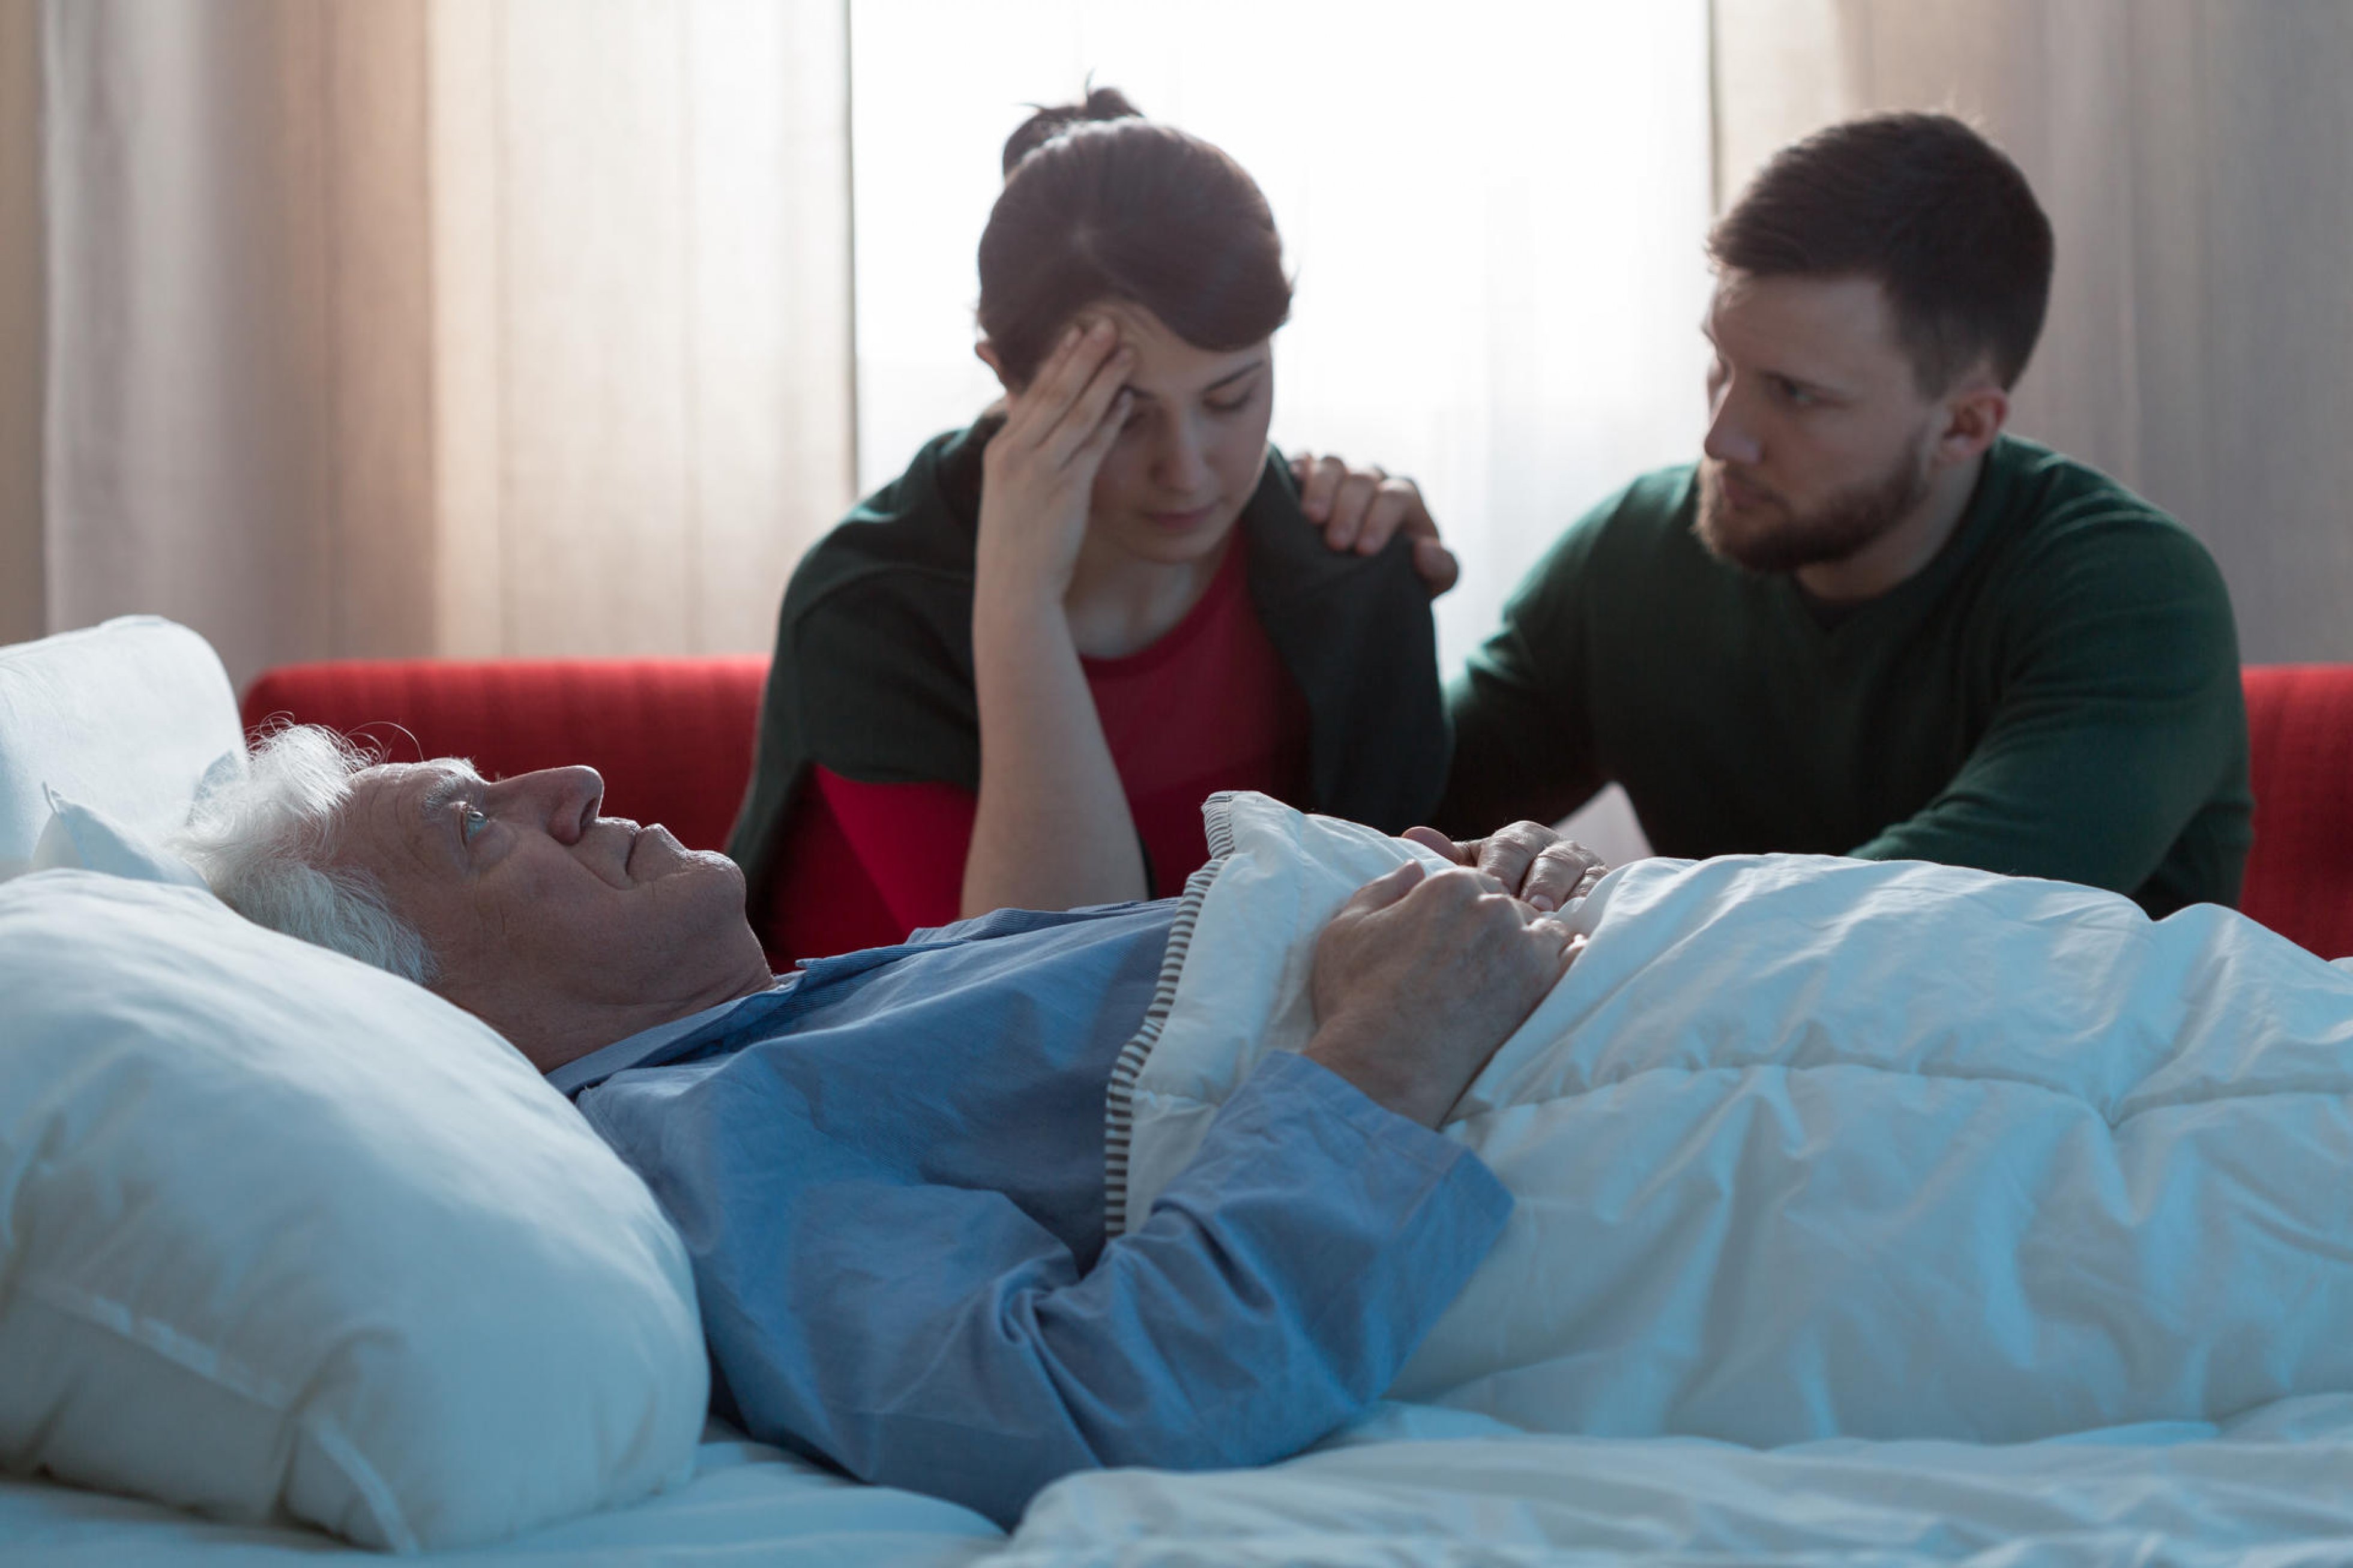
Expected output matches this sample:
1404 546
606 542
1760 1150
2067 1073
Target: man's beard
1772 538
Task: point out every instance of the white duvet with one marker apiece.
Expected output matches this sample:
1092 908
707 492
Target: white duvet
1808 1148
1420 1489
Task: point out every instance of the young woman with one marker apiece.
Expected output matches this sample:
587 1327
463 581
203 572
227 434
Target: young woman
1010 677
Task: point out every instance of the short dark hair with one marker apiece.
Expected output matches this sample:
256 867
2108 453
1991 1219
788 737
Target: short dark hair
1937 214
1102 203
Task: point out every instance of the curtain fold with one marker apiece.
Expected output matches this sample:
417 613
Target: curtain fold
522 326
465 327
2191 153
22 582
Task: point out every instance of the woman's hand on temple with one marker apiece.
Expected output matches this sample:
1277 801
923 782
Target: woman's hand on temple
1052 829
1528 860
1039 472
1363 509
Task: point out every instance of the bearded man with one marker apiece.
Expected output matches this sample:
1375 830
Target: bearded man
1870 622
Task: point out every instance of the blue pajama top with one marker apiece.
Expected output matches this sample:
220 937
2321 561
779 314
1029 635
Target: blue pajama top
889 1172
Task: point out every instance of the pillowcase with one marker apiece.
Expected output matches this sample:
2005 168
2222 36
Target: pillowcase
82 838
128 717
282 1234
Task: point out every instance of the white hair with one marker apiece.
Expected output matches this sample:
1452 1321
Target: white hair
264 841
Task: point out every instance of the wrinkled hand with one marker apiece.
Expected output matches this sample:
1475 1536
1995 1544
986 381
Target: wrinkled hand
1363 509
1530 861
1420 977
1039 471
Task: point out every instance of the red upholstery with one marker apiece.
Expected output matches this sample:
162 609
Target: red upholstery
673 739
2300 733
671 736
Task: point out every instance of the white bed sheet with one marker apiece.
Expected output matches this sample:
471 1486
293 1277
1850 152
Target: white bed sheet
1424 1488
1421 1487
748 1503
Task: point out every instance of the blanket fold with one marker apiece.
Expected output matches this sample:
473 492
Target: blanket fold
1806 1147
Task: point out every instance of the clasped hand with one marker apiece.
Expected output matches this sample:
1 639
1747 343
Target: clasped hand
1423 974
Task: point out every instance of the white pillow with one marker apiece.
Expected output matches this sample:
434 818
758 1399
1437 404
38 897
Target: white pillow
128 717
279 1232
82 838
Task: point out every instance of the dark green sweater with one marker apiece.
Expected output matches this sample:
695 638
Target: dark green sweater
2056 694
873 675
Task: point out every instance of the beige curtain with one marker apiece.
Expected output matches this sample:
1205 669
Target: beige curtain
21 582
467 327
2192 154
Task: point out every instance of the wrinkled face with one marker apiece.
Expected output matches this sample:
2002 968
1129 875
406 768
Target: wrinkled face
1194 447
521 886
1819 437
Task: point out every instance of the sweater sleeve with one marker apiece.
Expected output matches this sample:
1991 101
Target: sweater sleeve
940 1338
1523 728
2120 712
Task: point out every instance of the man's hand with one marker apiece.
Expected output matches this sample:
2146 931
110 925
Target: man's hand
1362 508
1534 863
1420 977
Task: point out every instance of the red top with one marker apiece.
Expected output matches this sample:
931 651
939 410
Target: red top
1207 707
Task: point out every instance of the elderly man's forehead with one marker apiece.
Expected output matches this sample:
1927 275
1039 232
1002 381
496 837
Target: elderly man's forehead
410 773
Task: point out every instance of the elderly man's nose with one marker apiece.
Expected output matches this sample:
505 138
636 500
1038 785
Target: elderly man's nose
566 799
581 796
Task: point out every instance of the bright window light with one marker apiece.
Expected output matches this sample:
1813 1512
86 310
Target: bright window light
1495 214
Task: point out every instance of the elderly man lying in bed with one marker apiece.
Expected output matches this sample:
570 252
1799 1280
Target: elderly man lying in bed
889 1167
1797 1147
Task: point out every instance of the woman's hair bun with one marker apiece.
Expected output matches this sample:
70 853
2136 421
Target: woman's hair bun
1051 121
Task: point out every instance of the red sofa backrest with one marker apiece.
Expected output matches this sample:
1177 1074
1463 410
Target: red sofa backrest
2300 738
671 736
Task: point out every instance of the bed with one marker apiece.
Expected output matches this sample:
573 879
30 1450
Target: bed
1410 1483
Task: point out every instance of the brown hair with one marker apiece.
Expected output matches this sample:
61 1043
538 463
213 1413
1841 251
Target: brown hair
1931 210
1102 203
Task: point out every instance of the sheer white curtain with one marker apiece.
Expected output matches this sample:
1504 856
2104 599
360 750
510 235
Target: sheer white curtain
1494 212
519 326
2192 156
436 326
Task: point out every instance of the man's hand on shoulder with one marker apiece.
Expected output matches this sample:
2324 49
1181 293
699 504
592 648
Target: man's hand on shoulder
1363 509
1422 975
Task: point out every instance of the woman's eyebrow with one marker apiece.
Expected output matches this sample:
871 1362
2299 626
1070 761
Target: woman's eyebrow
1222 382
